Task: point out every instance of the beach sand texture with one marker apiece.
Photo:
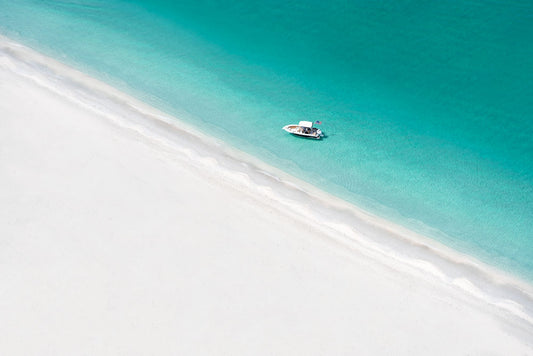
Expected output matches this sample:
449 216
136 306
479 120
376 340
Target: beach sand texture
114 242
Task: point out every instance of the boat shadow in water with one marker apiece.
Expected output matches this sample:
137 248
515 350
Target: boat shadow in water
298 137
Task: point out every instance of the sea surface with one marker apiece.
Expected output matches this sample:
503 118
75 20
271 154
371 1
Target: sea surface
427 106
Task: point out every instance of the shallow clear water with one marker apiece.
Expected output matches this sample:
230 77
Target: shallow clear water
427 106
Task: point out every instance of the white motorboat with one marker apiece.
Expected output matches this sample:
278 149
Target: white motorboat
305 129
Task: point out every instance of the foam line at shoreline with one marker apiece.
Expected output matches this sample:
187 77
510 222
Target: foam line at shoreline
354 228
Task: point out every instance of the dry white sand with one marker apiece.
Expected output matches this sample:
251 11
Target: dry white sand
113 243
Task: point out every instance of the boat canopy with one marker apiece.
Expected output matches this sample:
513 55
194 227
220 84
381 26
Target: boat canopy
305 124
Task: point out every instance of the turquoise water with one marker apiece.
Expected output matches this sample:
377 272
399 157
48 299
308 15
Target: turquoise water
427 106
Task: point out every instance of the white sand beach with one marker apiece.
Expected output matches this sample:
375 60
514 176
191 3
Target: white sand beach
118 237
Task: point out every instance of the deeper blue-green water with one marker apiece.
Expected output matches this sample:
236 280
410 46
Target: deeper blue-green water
427 106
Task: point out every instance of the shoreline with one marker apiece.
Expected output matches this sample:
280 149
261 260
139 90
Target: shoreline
344 225
245 172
